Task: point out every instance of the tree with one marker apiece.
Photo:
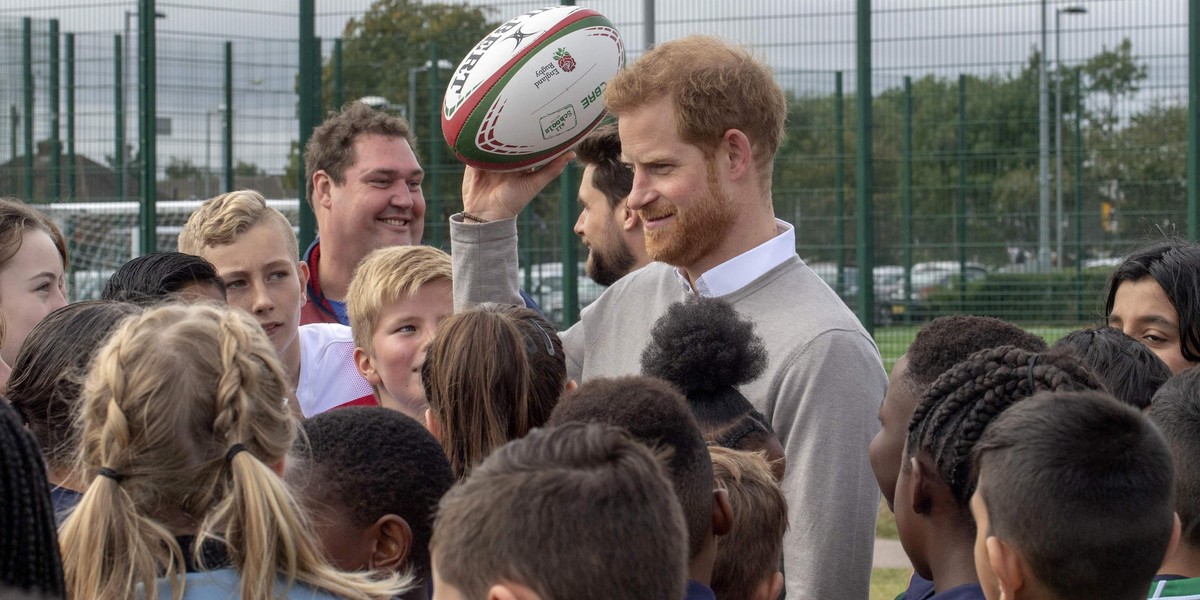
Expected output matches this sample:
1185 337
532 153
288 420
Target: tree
379 49
248 169
181 168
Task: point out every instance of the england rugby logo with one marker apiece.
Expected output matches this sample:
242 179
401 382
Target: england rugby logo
565 61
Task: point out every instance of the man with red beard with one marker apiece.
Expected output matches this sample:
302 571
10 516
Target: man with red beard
700 122
608 227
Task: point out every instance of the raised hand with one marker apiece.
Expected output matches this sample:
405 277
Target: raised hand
494 196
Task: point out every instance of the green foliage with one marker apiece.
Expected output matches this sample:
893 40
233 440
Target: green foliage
248 169
1136 162
181 168
1055 297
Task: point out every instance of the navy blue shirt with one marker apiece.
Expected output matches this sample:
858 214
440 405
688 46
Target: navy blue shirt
920 588
699 591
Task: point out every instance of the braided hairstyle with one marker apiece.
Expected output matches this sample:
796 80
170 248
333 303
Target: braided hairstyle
955 410
29 555
170 401
705 349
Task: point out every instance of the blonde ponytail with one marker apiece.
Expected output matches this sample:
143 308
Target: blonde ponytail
183 416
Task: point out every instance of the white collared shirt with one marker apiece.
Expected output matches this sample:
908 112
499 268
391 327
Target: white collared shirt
737 272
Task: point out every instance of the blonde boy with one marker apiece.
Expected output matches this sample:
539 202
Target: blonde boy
396 300
749 556
255 251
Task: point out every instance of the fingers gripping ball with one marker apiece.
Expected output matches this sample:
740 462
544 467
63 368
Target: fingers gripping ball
531 89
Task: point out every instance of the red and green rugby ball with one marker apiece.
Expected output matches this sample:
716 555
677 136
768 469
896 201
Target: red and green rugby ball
527 92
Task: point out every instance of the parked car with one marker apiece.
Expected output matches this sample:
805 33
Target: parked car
927 278
547 288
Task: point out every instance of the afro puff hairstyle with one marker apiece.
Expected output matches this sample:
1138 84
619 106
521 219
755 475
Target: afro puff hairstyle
705 349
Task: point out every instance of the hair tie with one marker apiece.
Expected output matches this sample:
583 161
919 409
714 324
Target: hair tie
1032 362
233 451
111 474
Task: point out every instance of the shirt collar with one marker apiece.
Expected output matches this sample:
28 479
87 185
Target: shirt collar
737 272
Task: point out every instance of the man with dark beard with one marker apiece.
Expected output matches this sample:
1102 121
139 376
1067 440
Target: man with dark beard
608 227
700 122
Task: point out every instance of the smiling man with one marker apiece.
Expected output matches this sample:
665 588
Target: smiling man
700 122
365 189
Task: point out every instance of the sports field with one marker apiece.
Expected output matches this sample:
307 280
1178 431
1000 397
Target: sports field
894 340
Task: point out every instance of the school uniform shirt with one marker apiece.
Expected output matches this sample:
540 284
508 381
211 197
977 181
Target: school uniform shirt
699 591
328 377
1175 587
920 588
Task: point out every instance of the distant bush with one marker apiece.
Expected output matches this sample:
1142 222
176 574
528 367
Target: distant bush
1055 297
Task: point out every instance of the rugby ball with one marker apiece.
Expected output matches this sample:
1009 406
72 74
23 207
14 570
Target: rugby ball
531 89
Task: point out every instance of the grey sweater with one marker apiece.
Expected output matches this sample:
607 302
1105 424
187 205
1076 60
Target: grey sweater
821 390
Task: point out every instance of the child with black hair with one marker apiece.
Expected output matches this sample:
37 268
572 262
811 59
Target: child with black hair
160 276
706 350
29 555
943 343
1176 411
1073 501
1130 370
47 381
1154 297
935 484
657 415
370 479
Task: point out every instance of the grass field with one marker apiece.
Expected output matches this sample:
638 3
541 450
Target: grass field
893 341
886 584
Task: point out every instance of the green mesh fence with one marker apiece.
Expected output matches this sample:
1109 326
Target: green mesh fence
966 218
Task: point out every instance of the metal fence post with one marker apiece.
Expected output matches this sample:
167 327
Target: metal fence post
147 125
339 85
54 191
435 150
864 188
27 124
119 117
309 86
227 141
1080 314
839 183
71 179
961 209
906 194
1193 132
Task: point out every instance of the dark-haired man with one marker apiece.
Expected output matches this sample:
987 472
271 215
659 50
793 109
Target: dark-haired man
608 227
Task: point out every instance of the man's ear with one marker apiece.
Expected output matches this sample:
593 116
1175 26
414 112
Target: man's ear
922 498
322 184
735 148
722 521
629 217
393 543
1008 566
366 367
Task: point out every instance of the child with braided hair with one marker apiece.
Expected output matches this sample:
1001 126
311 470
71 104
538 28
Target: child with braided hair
29 556
705 349
933 492
184 428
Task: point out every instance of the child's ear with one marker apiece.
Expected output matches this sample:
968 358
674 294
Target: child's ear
1008 566
302 272
571 386
769 588
922 497
366 368
1176 535
393 543
431 423
722 521
511 591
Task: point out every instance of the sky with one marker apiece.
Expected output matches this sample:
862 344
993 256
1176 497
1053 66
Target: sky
804 40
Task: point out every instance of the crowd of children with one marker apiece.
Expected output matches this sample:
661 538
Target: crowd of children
188 437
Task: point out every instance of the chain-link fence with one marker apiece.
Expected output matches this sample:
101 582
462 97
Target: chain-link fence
1007 179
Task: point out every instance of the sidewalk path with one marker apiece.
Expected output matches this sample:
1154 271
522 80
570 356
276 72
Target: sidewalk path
890 555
